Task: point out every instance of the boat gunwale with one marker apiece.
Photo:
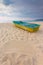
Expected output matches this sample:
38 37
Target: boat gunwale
29 26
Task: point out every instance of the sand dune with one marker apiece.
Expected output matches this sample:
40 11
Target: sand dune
19 47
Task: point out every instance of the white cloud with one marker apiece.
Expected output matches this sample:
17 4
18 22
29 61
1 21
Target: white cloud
11 13
5 9
9 10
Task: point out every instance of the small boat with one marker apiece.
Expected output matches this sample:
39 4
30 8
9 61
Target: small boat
31 27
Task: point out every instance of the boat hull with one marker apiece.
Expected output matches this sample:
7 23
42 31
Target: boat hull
27 29
27 26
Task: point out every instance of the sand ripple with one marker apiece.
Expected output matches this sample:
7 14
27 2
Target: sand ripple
15 59
16 40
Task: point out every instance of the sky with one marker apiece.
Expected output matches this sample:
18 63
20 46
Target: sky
21 10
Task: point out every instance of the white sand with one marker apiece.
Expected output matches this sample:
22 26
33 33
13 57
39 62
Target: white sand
19 47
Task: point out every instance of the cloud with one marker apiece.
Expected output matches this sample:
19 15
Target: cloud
10 10
9 13
21 8
5 9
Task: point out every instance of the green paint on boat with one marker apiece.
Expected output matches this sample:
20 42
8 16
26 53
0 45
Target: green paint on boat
27 26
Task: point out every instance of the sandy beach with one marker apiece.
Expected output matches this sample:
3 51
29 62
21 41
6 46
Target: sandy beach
19 47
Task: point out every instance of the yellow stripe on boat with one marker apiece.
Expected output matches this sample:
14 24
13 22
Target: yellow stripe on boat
25 28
